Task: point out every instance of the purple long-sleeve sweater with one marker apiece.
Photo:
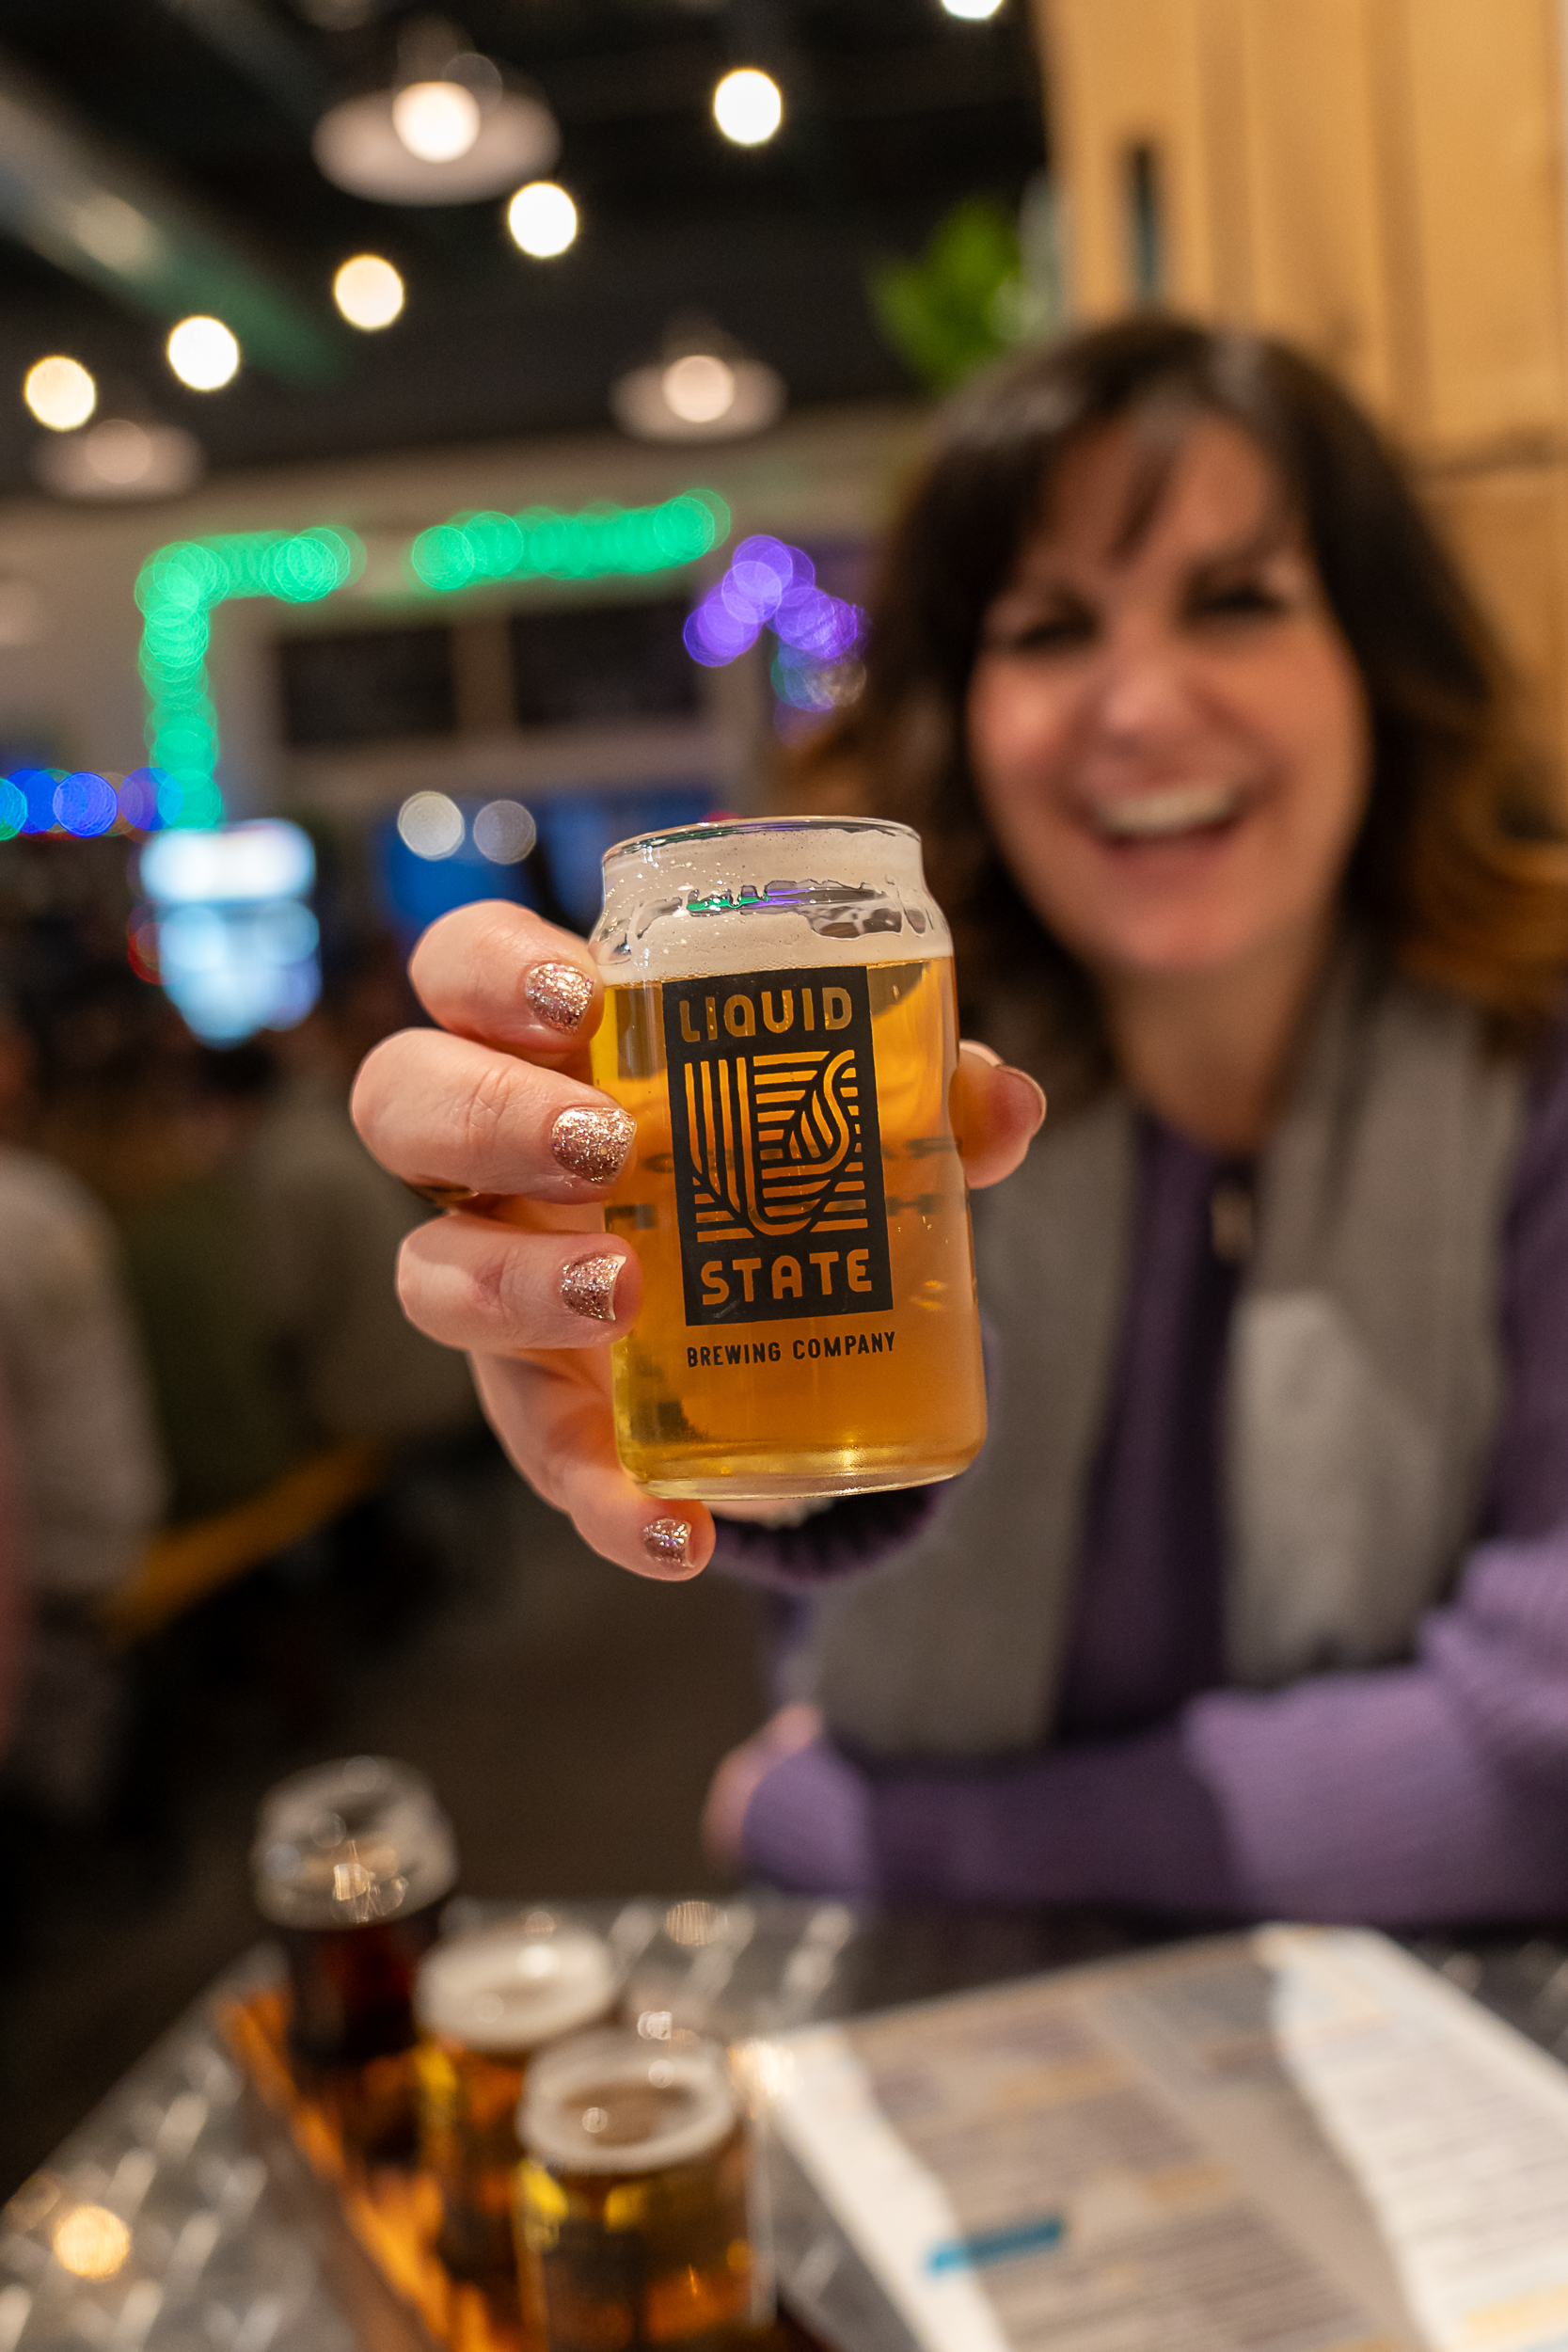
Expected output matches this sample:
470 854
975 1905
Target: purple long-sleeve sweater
1435 1791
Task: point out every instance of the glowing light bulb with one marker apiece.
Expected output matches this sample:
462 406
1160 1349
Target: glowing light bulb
60 393
121 453
543 219
699 389
504 832
368 292
973 11
431 824
748 106
437 121
92 2242
203 354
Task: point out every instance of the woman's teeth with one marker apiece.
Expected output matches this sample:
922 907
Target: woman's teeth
1158 816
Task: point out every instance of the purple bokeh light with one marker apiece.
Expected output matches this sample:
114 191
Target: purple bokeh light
769 583
713 635
144 798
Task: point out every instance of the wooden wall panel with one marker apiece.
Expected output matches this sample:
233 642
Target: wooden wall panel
1486 117
1381 180
1126 72
1509 526
1309 130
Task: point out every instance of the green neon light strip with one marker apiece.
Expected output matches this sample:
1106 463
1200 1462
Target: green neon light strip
177 590
539 543
180 585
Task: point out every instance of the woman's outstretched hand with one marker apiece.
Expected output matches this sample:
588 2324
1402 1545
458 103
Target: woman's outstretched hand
495 1109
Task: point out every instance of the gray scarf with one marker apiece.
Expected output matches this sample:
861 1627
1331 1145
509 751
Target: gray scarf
1362 1394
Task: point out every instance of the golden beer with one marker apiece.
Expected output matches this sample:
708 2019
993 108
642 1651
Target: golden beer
633 2197
483 2003
786 1045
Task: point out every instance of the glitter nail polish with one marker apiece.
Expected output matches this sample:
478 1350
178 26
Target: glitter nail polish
593 1144
587 1287
558 993
666 1541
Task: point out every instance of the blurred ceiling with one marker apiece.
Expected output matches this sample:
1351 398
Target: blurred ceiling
895 112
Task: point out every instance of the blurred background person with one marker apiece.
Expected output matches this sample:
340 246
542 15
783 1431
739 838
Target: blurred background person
328 1223
89 1477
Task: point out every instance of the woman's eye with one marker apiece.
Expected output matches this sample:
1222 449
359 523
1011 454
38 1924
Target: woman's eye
1237 600
1047 632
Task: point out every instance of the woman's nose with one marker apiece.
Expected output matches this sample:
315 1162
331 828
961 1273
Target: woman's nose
1146 689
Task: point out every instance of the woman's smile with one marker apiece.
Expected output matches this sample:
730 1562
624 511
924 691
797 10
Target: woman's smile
1167 814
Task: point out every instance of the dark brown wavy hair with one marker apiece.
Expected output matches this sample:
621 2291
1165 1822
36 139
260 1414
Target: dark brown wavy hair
1460 867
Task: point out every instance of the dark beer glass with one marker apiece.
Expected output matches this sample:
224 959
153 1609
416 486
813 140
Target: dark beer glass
780 1020
351 1863
483 2003
633 2197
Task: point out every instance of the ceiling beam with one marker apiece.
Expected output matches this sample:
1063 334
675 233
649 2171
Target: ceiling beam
273 60
124 228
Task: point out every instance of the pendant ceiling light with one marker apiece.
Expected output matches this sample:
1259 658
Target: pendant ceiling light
445 130
704 389
120 459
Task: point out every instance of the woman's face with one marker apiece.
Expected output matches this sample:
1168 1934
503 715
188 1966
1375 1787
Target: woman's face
1170 739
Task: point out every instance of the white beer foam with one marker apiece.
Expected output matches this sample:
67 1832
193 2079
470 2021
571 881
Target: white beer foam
650 930
549 2121
502 1988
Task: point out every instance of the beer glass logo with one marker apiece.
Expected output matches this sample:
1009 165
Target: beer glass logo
778 1154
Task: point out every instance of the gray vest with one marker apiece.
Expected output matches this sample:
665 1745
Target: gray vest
1363 1388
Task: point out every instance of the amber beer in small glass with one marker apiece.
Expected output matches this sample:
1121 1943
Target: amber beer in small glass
780 1020
352 1864
484 2003
634 2197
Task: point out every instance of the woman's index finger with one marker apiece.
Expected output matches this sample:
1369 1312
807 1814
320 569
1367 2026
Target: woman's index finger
500 973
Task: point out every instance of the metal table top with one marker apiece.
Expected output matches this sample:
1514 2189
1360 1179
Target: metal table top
220 2238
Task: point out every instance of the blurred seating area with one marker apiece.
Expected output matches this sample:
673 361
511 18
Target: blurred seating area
392 545
206 1371
250 1513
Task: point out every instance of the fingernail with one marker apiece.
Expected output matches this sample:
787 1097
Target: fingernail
587 1287
667 1541
560 993
593 1144
1010 1070
987 1054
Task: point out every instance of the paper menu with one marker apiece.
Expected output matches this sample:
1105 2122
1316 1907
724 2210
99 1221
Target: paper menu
1294 2141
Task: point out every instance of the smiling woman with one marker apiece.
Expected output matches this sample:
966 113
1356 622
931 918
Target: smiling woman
1254 1600
1165 610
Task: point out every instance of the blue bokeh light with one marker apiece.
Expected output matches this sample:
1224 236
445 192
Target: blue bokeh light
37 786
237 947
85 804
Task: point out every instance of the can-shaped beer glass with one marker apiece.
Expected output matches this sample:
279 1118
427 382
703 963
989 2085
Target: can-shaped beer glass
634 2196
780 1020
483 2003
351 1863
